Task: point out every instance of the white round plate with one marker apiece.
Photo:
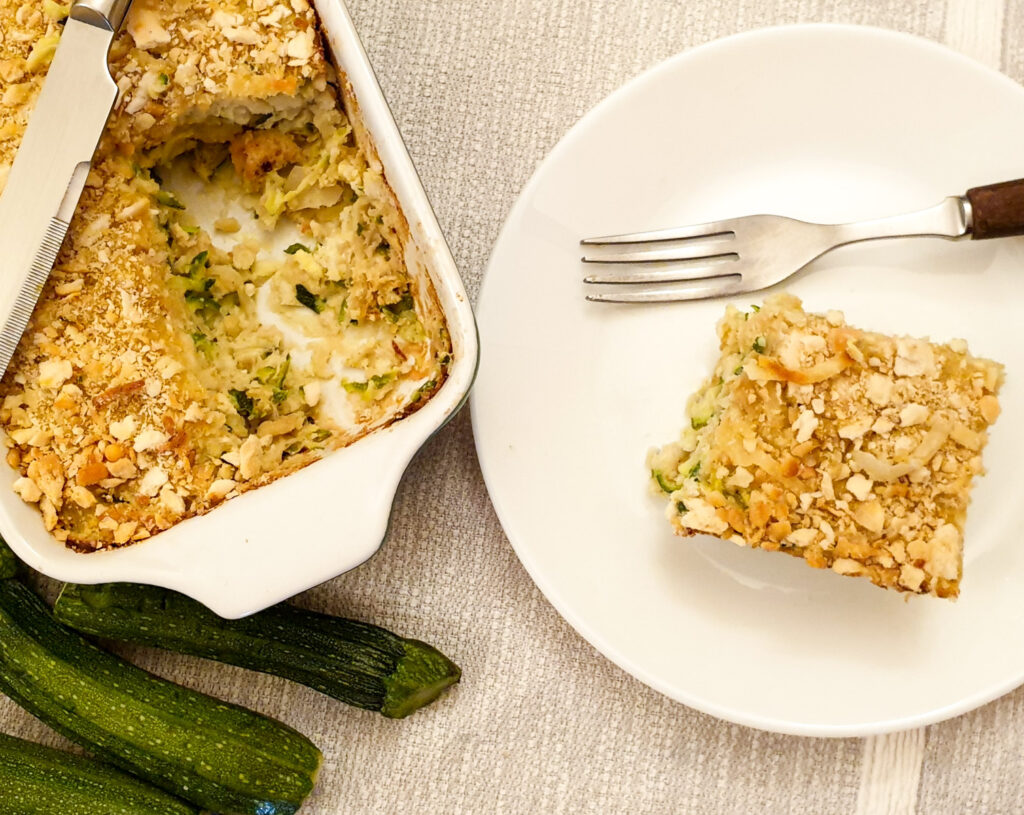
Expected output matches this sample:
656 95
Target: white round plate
826 123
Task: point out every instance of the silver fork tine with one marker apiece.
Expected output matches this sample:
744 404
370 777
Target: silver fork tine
711 229
698 290
665 272
690 250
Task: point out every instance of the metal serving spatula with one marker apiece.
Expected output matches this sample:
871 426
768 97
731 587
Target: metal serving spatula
49 171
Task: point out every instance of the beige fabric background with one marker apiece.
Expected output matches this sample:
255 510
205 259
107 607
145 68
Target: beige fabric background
482 89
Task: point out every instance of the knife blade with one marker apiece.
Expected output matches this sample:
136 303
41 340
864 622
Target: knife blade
51 166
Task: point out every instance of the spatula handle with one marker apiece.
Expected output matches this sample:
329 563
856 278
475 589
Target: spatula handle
997 210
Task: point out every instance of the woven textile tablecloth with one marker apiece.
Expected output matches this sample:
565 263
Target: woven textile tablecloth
542 723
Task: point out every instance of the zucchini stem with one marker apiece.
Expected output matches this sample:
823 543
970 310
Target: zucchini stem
422 675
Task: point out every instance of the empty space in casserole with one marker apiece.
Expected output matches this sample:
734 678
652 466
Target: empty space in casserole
853 450
233 300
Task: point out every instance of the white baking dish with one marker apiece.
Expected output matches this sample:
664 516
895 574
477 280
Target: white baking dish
278 540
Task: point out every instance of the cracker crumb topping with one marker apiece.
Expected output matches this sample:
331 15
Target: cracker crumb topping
853 450
147 387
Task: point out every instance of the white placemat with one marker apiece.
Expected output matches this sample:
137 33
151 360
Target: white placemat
482 89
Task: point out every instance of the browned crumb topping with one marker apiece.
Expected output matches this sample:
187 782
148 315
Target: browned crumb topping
853 450
255 153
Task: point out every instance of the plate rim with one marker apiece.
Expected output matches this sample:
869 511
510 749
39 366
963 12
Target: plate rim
595 639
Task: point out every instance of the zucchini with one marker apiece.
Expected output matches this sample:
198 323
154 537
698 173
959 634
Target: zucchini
9 564
702 406
358 663
222 757
666 484
35 780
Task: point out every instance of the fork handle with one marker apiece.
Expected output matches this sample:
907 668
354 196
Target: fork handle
997 210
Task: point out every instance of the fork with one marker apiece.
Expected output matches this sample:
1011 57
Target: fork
745 254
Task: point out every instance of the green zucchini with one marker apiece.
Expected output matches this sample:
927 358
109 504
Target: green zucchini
358 663
35 780
222 757
8 562
666 484
703 407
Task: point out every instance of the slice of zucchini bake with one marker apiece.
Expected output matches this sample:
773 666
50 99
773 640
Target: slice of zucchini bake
853 450
181 355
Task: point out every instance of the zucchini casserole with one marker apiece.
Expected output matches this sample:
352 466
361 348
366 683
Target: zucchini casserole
181 355
853 450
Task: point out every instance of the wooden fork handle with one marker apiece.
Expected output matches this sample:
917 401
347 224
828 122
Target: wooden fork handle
997 210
